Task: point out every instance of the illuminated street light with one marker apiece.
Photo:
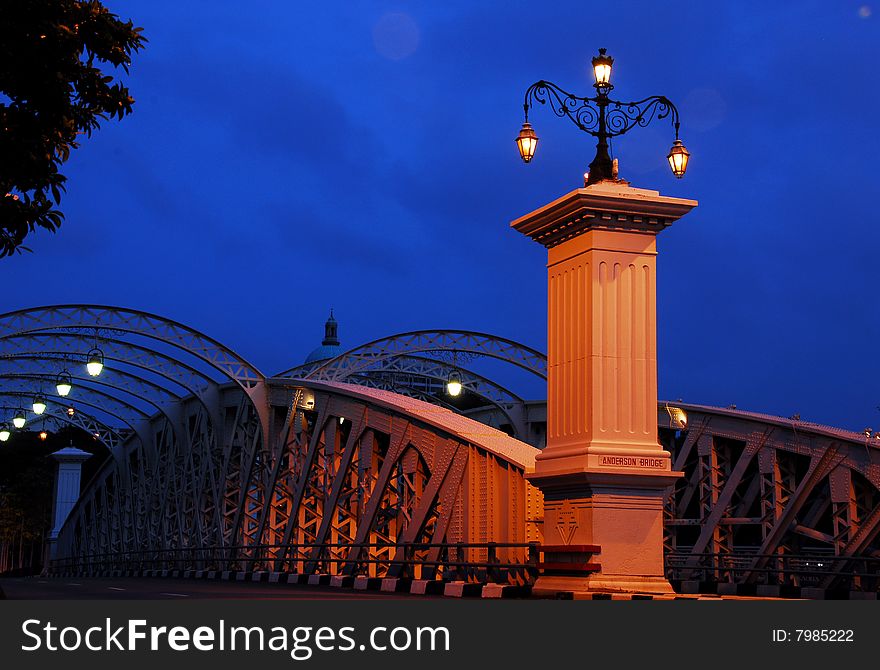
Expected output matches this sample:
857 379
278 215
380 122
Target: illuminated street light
527 141
19 419
70 411
39 404
453 384
602 70
95 362
4 432
603 118
43 435
64 383
678 158
677 417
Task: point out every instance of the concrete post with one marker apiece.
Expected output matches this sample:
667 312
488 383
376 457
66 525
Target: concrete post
603 472
67 483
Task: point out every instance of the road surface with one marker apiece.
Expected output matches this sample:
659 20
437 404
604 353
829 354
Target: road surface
130 588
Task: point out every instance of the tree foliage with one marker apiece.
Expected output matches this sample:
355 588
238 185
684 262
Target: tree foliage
52 90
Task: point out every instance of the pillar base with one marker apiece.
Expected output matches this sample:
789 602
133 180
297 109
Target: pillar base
607 525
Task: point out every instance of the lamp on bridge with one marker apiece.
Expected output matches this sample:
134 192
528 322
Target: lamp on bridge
603 472
603 118
64 384
453 384
95 362
4 432
602 70
39 404
19 419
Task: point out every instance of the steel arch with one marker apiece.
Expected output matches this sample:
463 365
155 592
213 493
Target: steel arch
98 317
48 367
178 377
66 345
109 436
482 344
54 402
87 392
425 379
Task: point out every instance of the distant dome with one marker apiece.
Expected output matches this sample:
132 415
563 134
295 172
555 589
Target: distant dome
330 347
323 353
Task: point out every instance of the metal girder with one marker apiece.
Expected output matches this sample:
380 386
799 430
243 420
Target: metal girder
96 317
426 341
771 491
25 383
108 435
47 367
122 421
342 485
67 345
422 369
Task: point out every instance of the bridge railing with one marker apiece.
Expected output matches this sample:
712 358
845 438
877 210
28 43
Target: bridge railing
795 570
489 562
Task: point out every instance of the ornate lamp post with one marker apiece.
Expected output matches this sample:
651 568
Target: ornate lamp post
603 473
601 117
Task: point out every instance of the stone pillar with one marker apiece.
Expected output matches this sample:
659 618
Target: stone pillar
67 481
603 472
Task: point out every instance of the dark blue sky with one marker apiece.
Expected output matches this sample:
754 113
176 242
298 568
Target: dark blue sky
285 157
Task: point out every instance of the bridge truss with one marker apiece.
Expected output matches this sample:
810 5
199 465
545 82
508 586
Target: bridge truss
770 501
353 481
342 467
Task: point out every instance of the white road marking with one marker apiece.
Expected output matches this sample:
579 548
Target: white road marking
114 588
175 595
74 584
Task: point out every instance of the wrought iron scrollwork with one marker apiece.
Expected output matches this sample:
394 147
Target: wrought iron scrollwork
587 113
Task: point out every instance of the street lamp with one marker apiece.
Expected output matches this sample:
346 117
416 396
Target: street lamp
95 362
4 432
601 117
527 141
602 70
19 419
64 383
39 404
453 384
677 417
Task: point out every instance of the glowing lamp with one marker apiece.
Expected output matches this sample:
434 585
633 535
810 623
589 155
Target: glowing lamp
4 432
19 419
39 404
678 158
95 362
43 434
64 383
527 142
453 384
678 417
602 69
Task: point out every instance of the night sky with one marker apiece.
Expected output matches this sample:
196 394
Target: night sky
287 157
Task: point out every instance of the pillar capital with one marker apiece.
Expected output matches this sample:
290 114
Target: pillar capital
71 455
607 205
